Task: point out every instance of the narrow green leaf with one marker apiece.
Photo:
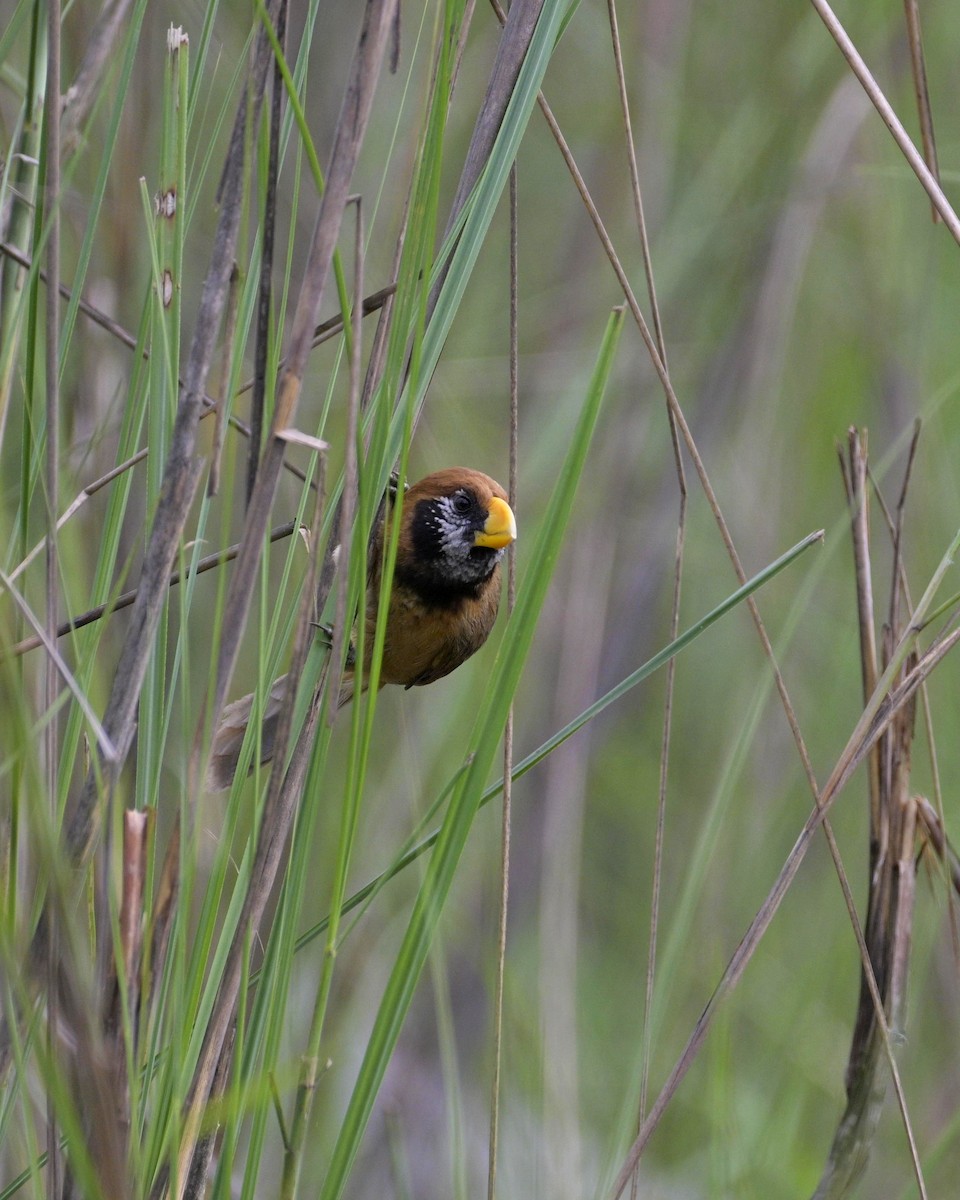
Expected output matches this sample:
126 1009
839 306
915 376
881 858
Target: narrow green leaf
535 757
467 796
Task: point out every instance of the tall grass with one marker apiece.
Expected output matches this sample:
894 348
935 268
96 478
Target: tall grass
225 994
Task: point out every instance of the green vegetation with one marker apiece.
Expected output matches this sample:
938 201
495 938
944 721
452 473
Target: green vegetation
302 986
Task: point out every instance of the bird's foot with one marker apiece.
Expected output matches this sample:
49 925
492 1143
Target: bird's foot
393 485
325 634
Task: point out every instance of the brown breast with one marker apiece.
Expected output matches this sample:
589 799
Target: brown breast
424 644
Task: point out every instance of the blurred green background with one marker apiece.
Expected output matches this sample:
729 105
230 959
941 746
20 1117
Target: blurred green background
803 289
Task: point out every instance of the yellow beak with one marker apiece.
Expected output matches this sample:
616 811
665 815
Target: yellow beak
500 527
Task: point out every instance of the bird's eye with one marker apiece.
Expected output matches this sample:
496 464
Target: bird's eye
461 502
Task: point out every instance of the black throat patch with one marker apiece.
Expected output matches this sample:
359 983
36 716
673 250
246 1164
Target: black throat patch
445 568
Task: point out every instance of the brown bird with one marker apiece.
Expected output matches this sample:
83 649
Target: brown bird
454 529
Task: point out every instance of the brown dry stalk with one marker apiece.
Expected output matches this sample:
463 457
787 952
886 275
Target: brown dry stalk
919 69
157 939
845 766
181 474
125 599
888 925
281 798
306 1091
350 129
854 473
102 44
935 836
265 283
889 117
136 829
226 355
882 707
647 1026
324 332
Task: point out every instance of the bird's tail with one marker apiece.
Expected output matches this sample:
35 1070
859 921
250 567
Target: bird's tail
228 740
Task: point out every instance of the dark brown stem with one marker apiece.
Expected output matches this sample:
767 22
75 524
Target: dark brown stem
125 599
265 290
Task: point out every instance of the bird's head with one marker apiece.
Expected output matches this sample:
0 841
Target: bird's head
456 525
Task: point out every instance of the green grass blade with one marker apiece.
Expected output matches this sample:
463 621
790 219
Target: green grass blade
535 757
467 797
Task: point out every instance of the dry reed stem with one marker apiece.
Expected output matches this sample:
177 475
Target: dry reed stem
933 830
323 332
647 1025
884 704
133 874
351 473
306 1089
736 966
136 827
924 111
79 98
162 912
518 30
125 599
265 284
889 117
892 526
107 748
350 129
854 473
887 927
281 800
220 405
